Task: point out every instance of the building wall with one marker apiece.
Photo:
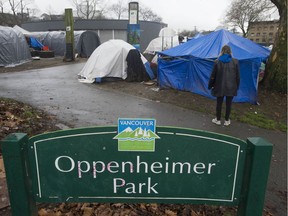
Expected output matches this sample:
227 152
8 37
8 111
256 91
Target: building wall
263 32
106 29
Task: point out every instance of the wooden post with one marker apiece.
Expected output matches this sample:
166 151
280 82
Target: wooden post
14 149
69 23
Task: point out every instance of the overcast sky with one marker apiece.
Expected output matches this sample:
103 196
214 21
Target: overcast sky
178 14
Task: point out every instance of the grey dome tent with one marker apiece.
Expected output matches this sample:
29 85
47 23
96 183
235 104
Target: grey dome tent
87 43
14 48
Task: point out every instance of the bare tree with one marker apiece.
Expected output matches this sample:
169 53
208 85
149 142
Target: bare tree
147 14
2 3
276 70
14 4
32 12
241 12
119 8
88 9
23 7
19 8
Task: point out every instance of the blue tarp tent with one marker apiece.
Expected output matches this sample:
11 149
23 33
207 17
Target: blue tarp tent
188 66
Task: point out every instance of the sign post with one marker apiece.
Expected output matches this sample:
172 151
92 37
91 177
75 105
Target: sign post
133 28
256 176
138 162
14 149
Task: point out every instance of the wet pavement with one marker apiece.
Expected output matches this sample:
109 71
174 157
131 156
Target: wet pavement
57 91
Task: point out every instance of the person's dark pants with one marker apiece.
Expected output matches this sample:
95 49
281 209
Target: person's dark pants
228 107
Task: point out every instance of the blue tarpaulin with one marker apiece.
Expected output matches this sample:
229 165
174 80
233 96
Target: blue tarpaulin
188 66
35 44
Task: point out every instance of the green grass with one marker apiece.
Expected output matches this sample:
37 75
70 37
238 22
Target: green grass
260 120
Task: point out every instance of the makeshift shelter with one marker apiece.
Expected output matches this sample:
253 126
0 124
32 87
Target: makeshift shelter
110 60
14 48
188 67
85 41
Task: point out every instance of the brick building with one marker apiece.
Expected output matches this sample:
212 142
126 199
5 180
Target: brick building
263 32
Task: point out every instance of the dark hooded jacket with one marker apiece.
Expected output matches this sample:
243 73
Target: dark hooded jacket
225 77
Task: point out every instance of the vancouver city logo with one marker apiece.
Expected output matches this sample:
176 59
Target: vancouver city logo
136 134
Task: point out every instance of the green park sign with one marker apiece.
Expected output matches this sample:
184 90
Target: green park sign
136 162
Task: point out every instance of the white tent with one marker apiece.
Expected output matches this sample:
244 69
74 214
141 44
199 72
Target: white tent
109 60
167 32
161 43
167 39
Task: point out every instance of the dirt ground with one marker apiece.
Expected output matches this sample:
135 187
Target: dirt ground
15 116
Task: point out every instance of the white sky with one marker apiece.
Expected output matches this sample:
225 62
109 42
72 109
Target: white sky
178 14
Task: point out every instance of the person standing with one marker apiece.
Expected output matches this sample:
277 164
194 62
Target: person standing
224 82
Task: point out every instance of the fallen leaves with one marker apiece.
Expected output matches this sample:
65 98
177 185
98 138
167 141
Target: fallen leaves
141 209
18 117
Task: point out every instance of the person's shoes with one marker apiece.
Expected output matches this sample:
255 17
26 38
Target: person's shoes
215 121
227 123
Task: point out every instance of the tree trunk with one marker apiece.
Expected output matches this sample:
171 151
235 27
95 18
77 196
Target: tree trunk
276 70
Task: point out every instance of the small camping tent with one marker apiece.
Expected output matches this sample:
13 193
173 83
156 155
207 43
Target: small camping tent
188 67
109 60
14 48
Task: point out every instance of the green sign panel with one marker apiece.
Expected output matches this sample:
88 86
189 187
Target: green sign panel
170 165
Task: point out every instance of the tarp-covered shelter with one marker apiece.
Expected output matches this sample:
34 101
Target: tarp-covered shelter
85 41
110 60
14 48
188 66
